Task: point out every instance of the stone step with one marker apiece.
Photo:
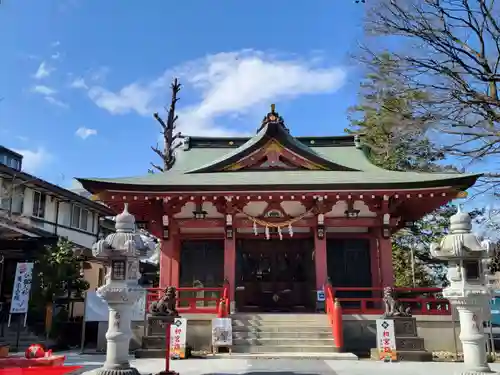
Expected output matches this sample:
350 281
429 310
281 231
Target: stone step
290 348
287 323
149 353
282 328
285 334
291 355
281 318
277 316
277 341
153 342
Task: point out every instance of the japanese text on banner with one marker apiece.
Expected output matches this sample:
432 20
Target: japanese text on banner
178 338
22 288
386 340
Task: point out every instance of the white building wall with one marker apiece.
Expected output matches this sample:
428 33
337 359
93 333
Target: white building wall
82 237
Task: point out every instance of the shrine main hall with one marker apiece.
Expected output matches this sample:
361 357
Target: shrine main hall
277 215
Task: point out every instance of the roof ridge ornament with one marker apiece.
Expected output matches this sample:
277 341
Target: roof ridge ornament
273 118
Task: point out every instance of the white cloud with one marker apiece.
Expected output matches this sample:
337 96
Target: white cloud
43 71
44 90
33 161
228 84
56 102
56 56
55 44
84 132
79 83
48 93
131 98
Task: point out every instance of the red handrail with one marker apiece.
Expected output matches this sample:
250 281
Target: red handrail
423 305
334 313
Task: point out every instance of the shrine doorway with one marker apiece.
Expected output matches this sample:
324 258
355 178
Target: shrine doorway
349 265
275 275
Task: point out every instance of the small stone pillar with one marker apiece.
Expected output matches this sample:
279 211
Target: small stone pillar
467 291
120 252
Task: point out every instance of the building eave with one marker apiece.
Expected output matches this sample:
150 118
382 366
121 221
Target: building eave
37 183
460 183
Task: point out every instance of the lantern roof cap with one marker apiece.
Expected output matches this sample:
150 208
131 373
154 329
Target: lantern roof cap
460 222
125 221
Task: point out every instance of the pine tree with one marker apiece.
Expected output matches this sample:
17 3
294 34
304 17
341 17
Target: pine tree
393 129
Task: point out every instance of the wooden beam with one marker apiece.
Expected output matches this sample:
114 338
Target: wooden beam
304 223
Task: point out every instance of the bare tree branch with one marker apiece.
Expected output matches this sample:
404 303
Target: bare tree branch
170 140
449 49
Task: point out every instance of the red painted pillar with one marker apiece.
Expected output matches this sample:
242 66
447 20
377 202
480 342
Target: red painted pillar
320 260
169 258
386 268
166 263
230 263
155 227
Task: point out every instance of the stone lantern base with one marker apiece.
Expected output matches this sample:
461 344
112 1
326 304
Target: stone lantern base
118 371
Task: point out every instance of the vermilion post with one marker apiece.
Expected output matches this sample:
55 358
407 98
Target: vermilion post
167 348
338 333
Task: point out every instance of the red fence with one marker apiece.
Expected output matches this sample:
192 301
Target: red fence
422 301
196 300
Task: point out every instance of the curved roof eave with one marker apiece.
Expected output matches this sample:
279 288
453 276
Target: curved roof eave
459 182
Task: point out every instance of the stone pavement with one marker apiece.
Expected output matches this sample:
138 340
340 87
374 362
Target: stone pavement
226 366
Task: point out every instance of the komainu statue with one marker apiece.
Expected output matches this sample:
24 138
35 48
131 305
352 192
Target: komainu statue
165 306
393 307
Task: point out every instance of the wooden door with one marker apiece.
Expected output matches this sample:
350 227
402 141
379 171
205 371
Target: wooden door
274 275
348 264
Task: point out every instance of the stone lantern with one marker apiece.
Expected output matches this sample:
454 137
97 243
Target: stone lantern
467 258
120 252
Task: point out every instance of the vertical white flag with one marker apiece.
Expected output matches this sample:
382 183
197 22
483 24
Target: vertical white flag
22 288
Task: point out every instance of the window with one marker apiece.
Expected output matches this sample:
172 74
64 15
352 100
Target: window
100 280
39 200
14 163
79 218
84 219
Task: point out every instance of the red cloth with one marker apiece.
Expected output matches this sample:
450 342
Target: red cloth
57 370
17 361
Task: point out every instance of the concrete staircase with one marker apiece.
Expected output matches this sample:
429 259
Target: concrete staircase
26 338
282 333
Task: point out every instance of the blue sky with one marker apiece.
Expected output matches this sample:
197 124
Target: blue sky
81 79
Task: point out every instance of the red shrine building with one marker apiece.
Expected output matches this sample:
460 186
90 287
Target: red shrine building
277 215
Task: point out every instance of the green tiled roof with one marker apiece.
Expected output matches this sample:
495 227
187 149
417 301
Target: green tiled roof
273 131
338 150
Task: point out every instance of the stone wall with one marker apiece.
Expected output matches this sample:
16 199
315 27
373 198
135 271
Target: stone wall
437 331
359 333
199 332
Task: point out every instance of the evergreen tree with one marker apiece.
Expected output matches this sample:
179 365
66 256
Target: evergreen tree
58 273
389 120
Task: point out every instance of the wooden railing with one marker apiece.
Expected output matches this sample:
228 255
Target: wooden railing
189 301
422 301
